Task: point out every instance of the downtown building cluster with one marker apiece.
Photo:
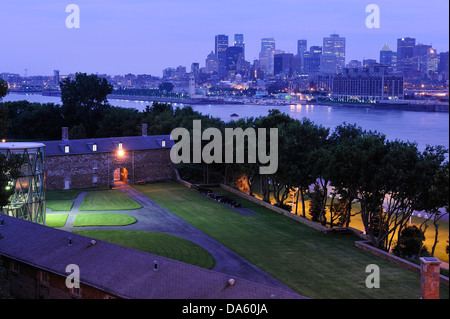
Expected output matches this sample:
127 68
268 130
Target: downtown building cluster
318 69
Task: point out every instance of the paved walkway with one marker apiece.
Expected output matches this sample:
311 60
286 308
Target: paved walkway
153 217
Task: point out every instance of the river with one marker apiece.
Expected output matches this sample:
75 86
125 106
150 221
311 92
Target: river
425 128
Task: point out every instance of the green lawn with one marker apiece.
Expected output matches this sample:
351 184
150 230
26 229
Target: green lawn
66 194
160 244
103 219
104 200
316 265
59 206
56 220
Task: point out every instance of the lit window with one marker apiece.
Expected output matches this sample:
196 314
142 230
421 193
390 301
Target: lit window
66 149
163 143
94 147
120 145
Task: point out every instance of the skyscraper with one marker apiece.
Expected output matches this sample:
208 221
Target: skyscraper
221 45
334 44
232 58
301 47
266 56
386 55
239 42
312 59
267 44
405 53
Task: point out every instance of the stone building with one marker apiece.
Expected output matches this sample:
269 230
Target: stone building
57 264
103 161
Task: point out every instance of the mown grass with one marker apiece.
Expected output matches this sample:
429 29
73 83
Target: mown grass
103 219
314 264
108 200
59 206
160 244
56 220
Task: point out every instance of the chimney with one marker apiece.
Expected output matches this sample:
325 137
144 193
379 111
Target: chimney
144 129
429 277
65 133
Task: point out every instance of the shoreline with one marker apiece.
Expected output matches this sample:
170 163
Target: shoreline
403 106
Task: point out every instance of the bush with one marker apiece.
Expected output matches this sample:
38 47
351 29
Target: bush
410 243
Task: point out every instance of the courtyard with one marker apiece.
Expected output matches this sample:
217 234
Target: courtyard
177 222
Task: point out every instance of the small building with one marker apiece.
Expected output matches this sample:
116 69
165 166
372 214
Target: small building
40 262
102 161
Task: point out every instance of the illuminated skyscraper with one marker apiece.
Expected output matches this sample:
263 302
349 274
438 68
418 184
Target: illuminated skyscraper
239 42
334 44
405 54
221 45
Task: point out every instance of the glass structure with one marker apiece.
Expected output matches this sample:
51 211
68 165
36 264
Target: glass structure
28 199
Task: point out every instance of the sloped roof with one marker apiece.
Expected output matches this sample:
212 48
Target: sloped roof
386 48
122 271
110 144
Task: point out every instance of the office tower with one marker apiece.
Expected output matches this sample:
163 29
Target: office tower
239 42
312 59
195 69
56 77
301 47
221 45
266 55
212 63
328 63
386 56
233 54
405 53
334 44
443 62
283 64
267 44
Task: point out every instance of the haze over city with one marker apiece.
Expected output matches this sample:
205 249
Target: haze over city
119 37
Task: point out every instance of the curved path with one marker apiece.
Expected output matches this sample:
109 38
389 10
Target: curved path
153 217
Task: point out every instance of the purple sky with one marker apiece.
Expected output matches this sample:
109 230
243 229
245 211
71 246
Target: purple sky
146 36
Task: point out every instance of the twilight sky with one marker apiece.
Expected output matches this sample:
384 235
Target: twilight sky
146 36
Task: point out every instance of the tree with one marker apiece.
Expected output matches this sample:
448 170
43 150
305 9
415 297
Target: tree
9 171
5 123
84 101
4 88
166 87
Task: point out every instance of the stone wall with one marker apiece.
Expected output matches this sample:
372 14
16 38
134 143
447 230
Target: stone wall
26 282
91 170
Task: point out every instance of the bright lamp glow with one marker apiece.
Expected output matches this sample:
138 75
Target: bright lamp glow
120 152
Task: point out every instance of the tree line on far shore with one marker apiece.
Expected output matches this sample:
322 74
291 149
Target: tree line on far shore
334 169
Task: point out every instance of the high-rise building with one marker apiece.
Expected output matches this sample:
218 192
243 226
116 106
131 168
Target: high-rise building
233 54
443 62
56 77
239 42
267 44
212 63
301 49
266 56
386 56
283 64
312 59
405 54
334 44
328 63
221 45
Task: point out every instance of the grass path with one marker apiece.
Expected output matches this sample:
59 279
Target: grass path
316 265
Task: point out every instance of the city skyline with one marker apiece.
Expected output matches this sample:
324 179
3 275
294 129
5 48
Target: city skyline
118 37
